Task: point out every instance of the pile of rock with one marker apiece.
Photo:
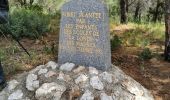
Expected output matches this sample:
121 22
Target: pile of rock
69 82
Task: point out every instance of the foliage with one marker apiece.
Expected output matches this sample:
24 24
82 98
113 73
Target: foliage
136 38
141 35
145 54
115 42
54 23
28 23
36 8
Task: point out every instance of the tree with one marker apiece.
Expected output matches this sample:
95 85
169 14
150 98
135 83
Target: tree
157 10
128 4
123 11
26 2
137 11
167 33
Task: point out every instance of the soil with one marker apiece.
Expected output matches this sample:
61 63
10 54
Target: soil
154 75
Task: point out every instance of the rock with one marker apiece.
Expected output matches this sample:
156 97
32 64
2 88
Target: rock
125 96
132 87
75 92
118 74
67 78
96 83
42 71
31 82
50 74
17 95
67 67
50 91
106 77
36 69
61 76
52 64
87 96
120 93
104 96
26 98
81 78
93 71
3 95
79 69
99 86
12 84
137 89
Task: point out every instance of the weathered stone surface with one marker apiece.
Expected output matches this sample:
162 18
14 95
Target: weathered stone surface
87 96
123 87
52 64
42 71
50 91
104 96
36 69
93 71
84 34
16 95
106 77
132 87
50 74
75 92
120 93
81 78
96 83
31 82
67 67
79 69
12 84
67 78
3 95
61 76
137 89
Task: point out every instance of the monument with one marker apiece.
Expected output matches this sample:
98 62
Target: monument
84 34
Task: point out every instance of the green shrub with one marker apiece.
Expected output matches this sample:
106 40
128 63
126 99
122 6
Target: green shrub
28 23
36 8
146 54
115 42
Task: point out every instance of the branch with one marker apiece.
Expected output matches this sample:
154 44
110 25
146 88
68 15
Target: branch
129 4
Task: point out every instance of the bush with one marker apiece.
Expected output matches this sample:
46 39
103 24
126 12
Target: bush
28 23
146 54
115 42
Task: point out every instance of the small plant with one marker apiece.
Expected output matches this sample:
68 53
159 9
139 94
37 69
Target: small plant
146 54
48 50
115 42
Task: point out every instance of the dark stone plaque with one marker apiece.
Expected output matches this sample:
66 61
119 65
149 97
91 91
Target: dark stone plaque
84 34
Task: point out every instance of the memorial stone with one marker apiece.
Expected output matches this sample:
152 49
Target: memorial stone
84 34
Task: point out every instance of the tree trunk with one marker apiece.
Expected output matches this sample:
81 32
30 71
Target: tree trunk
156 13
123 13
136 16
167 33
127 6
